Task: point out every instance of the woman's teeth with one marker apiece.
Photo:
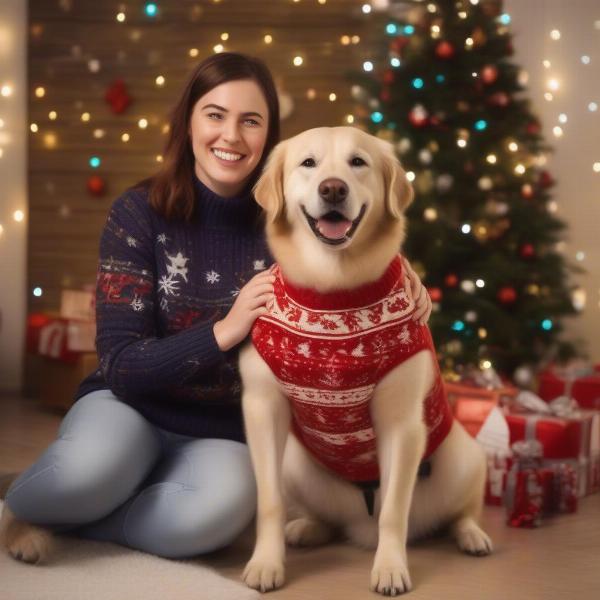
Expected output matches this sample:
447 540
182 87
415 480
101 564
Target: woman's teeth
226 155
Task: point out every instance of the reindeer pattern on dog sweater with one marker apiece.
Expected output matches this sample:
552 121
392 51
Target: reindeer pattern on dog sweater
329 351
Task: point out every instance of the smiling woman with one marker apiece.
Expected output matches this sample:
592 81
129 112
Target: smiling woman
228 129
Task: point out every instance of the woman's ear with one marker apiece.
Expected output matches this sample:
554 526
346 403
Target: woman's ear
398 190
268 191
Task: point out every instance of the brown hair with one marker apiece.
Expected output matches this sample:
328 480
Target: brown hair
171 190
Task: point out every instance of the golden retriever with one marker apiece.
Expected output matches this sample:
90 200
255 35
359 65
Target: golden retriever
334 200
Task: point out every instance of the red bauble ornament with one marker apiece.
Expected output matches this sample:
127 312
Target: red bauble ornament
546 179
527 191
500 99
533 128
435 294
445 50
451 280
527 251
489 74
96 185
507 294
397 44
418 116
117 97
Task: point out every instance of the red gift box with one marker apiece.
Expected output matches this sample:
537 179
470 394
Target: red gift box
583 385
574 440
58 338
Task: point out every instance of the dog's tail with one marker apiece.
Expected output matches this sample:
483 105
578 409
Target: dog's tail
6 480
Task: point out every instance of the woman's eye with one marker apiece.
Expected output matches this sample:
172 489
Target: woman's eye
309 162
251 122
215 116
357 161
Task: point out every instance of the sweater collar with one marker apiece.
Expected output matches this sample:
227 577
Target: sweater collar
347 298
213 209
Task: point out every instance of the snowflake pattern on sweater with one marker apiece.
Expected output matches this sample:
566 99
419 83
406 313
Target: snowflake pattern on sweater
330 351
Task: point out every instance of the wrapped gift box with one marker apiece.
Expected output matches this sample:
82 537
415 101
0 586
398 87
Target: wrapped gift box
574 440
582 384
500 395
477 410
59 338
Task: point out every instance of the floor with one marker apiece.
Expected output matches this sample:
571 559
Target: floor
559 560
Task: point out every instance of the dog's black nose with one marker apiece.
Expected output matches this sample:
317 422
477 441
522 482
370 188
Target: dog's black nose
333 190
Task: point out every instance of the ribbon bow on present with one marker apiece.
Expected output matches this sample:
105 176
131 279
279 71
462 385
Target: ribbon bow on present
563 406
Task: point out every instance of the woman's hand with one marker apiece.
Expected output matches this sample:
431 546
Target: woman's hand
248 306
419 293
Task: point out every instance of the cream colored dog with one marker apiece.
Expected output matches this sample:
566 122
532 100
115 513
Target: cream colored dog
345 171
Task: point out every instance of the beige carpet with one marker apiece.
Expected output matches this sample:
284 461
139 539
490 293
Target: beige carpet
98 571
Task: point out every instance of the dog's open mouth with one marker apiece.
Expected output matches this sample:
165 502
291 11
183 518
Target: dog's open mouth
333 227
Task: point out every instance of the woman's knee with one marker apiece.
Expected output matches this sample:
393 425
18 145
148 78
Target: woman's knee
85 474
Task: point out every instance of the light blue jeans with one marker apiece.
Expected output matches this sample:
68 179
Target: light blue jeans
113 476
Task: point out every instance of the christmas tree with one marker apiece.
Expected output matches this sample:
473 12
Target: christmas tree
481 232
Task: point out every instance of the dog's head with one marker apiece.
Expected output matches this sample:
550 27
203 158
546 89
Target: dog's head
339 184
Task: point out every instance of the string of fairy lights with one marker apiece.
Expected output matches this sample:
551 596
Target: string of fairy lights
152 10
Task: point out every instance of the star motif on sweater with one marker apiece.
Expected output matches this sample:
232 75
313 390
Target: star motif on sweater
177 266
137 304
131 241
161 238
259 265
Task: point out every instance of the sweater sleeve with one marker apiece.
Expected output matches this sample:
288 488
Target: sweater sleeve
133 359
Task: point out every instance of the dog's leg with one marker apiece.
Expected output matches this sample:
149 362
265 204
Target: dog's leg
267 421
24 541
397 409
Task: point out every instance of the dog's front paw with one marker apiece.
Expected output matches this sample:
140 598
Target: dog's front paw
390 576
264 575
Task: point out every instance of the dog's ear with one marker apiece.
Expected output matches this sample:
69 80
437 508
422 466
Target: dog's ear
398 190
268 191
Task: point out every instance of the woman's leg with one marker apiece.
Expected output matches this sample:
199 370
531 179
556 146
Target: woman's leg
104 450
199 498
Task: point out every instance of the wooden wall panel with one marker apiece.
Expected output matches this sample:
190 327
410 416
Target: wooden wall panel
65 35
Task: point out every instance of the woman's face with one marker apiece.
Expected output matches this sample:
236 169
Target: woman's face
228 130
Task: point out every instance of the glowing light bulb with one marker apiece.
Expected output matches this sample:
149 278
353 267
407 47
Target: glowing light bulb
268 39
143 123
298 60
513 146
548 96
52 115
311 93
18 216
34 128
37 292
461 143
193 52
160 80
224 36
40 92
592 106
6 90
95 162
547 64
85 117
485 364
125 137
368 65
395 61
557 131
151 9
410 175
350 119
430 214
469 43
520 169
99 133
121 17
491 158
466 228
332 97
366 8
553 84
480 283
218 48
585 59
562 118
555 34
596 167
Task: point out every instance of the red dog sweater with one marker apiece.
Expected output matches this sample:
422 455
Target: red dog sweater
329 351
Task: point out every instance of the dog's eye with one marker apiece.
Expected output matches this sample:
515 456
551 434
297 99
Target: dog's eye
357 161
309 162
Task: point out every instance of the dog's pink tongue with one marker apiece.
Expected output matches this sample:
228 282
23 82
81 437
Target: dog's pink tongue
333 230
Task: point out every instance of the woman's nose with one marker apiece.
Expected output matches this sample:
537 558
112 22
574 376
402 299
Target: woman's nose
231 132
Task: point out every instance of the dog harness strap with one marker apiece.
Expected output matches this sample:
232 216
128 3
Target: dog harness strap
368 489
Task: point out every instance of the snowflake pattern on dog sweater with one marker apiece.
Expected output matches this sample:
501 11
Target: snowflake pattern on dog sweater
329 351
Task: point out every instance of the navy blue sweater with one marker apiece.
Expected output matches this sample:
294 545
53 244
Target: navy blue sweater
161 287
